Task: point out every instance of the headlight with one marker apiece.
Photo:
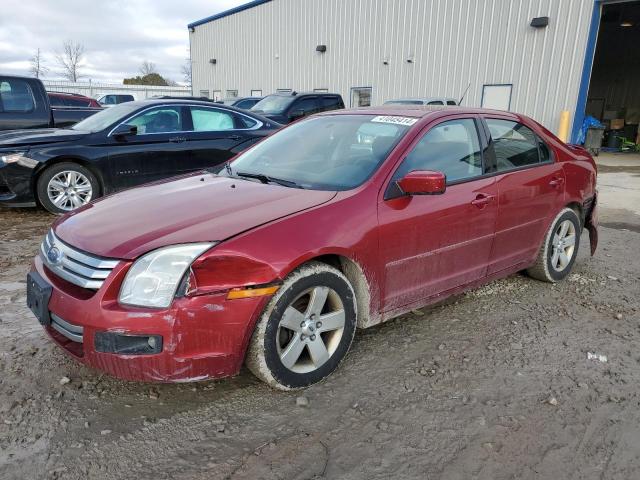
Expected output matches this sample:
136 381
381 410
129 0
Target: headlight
18 157
153 279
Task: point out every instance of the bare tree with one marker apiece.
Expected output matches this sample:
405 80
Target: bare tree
69 60
147 68
37 68
186 71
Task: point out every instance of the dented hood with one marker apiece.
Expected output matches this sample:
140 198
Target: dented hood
196 208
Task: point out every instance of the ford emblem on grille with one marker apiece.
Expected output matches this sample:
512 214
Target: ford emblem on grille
54 255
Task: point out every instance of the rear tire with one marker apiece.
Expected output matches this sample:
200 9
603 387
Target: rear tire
559 249
305 330
66 186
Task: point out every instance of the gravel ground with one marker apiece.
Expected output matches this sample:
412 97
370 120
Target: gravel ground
517 379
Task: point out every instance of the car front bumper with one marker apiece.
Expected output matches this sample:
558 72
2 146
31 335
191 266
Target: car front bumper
203 337
15 185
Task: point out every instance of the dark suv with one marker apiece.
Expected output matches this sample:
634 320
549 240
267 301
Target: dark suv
286 107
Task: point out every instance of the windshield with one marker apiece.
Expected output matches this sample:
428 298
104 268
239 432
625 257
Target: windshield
336 152
105 118
273 104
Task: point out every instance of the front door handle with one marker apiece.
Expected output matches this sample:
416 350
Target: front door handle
234 137
178 139
556 181
482 199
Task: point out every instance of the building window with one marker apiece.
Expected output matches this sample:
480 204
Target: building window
361 96
217 95
497 97
256 93
204 93
321 90
232 93
283 90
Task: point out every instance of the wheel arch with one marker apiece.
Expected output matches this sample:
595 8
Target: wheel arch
61 159
366 313
577 207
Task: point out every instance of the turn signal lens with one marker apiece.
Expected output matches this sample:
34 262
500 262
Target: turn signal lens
236 293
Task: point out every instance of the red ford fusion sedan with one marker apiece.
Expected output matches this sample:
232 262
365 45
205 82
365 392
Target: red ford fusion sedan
337 222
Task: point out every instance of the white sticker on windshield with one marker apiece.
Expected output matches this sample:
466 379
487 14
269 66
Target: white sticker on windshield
408 121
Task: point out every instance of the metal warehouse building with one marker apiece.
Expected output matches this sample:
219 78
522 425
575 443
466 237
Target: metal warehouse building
529 56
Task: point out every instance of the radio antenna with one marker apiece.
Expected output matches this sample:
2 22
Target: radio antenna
463 95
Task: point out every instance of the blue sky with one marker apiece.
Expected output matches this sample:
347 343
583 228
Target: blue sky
117 35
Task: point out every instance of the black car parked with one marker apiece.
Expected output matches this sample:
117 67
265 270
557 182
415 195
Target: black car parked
286 107
241 102
24 103
122 146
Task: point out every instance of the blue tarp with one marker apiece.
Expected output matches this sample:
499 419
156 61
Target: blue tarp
588 122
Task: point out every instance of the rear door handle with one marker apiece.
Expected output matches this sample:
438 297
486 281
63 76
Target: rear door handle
556 182
178 139
482 199
235 137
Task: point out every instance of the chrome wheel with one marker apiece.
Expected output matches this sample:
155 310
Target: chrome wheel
310 329
564 243
69 190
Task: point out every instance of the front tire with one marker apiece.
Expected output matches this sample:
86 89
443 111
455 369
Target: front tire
559 249
305 330
66 186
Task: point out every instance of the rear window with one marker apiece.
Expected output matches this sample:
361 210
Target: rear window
515 145
16 96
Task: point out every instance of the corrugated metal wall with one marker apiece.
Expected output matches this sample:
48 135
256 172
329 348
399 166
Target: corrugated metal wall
451 43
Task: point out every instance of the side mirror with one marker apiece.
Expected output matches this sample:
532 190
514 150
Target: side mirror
296 114
125 130
423 182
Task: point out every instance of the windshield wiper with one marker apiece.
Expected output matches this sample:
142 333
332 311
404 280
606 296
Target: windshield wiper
268 179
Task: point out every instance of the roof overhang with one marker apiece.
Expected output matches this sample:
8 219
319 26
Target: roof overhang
226 13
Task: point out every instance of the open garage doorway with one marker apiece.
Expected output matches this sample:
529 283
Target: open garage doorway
614 88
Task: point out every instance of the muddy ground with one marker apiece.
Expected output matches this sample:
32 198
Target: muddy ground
497 383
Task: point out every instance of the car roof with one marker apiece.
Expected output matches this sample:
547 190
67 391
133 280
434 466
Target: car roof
204 103
299 94
420 99
418 111
68 94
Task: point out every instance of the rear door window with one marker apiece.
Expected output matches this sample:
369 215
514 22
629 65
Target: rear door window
436 102
16 96
214 120
330 103
308 105
451 102
514 144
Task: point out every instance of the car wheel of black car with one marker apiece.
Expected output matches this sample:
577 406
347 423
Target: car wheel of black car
559 248
305 330
66 186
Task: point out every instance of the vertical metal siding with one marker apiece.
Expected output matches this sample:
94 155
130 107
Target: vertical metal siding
452 43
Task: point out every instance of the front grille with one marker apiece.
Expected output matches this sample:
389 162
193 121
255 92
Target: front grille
75 266
72 332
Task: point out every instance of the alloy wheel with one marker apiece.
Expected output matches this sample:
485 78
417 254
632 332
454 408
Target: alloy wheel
310 329
564 241
69 190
